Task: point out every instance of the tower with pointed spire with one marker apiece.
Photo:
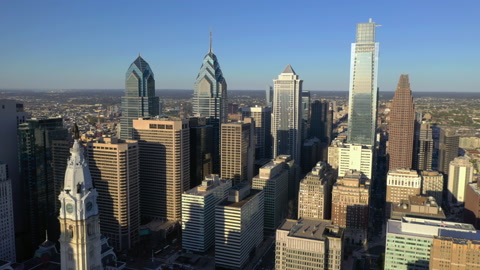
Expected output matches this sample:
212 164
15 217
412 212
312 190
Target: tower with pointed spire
80 239
210 98
139 100
287 102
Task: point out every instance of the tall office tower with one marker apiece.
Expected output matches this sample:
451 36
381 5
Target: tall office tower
263 125
238 226
60 155
447 148
362 108
460 175
114 168
210 99
238 151
402 123
432 185
352 157
80 243
7 229
287 114
305 114
401 183
350 198
273 180
417 206
311 153
268 96
423 147
321 117
35 157
455 250
201 150
471 212
139 100
11 115
164 166
315 193
198 212
409 241
308 244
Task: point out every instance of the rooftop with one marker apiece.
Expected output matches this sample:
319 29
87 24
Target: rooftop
315 229
227 203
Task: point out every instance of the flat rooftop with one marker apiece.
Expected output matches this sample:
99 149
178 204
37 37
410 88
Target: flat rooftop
315 229
253 193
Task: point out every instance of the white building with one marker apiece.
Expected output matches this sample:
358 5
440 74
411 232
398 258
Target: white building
7 229
460 174
198 212
238 226
352 157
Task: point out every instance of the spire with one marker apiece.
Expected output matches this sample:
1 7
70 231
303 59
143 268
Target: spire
210 51
288 69
46 235
77 176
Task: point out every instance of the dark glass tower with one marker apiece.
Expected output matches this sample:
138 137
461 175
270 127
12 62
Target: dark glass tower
139 100
210 100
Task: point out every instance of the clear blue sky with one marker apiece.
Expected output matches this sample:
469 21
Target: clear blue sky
90 44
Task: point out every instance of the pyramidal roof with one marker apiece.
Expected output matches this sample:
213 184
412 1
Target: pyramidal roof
404 82
140 63
288 69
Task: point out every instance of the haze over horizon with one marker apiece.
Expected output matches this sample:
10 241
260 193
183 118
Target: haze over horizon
89 44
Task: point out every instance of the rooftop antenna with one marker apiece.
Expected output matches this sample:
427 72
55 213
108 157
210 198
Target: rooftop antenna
46 235
210 40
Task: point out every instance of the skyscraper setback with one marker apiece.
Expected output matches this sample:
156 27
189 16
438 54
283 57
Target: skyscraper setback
362 114
139 100
402 123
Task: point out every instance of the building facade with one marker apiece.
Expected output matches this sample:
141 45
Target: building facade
164 166
432 185
402 123
263 126
114 167
459 176
198 212
362 113
201 150
447 148
139 100
401 183
286 124
455 250
353 157
471 212
423 147
7 229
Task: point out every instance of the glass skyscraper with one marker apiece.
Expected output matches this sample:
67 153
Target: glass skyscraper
139 100
362 113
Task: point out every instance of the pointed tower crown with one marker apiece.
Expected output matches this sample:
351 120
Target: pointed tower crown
141 64
288 69
404 81
77 176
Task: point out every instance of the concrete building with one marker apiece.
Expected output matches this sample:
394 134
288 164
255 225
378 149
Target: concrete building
198 212
352 157
315 193
287 114
273 180
237 148
262 116
432 185
308 244
350 199
401 183
238 226
423 147
409 241
164 166
471 212
447 148
114 167
7 228
460 175
417 206
455 250
401 126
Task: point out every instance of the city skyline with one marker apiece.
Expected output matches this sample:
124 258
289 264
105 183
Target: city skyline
72 36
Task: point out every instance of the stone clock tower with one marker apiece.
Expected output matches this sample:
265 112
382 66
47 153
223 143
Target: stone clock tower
80 244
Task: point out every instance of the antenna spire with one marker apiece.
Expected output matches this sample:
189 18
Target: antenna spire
210 51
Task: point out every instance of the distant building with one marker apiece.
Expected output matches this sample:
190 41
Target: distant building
263 125
455 250
447 148
432 185
315 193
238 151
114 167
268 96
164 166
287 114
273 180
460 175
409 241
471 212
401 183
238 226
417 206
321 120
139 100
198 213
308 244
7 228
423 147
402 121
305 107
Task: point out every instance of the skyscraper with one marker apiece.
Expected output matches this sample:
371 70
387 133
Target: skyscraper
201 150
459 176
305 114
268 96
210 99
263 124
7 231
287 114
423 147
362 113
139 100
164 166
447 148
402 123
